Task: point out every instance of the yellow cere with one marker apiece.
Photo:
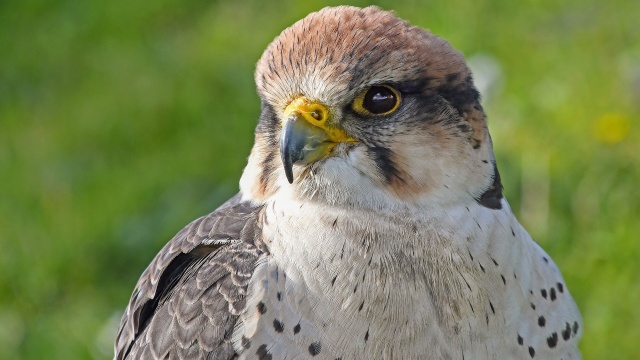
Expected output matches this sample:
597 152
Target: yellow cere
317 114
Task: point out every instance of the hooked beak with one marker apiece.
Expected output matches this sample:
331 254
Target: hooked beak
307 135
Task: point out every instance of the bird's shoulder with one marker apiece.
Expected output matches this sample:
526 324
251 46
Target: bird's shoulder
191 292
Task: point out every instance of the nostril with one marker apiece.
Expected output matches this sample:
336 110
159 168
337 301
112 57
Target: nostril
317 114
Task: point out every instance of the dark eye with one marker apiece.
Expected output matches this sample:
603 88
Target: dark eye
377 100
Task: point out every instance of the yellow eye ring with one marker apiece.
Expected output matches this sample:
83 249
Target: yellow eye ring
377 100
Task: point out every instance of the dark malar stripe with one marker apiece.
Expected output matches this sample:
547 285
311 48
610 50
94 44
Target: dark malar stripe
382 157
267 126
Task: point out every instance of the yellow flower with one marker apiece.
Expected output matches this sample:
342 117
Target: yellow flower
611 128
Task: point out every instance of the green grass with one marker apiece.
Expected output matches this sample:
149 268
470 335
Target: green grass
121 121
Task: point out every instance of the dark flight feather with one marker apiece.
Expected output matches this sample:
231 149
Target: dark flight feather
189 298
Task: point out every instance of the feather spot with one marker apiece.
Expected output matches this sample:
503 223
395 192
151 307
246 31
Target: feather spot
246 343
314 348
278 325
552 340
566 333
542 321
262 308
262 353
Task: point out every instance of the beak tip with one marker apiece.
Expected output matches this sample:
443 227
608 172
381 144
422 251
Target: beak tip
288 171
286 161
291 144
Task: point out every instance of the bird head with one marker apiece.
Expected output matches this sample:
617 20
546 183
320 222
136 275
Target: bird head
361 108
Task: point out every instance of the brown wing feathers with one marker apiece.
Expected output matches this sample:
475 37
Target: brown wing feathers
194 288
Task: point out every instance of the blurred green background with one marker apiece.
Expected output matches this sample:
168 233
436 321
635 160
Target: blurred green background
123 120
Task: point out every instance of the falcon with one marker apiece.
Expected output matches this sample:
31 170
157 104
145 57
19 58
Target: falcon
370 222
